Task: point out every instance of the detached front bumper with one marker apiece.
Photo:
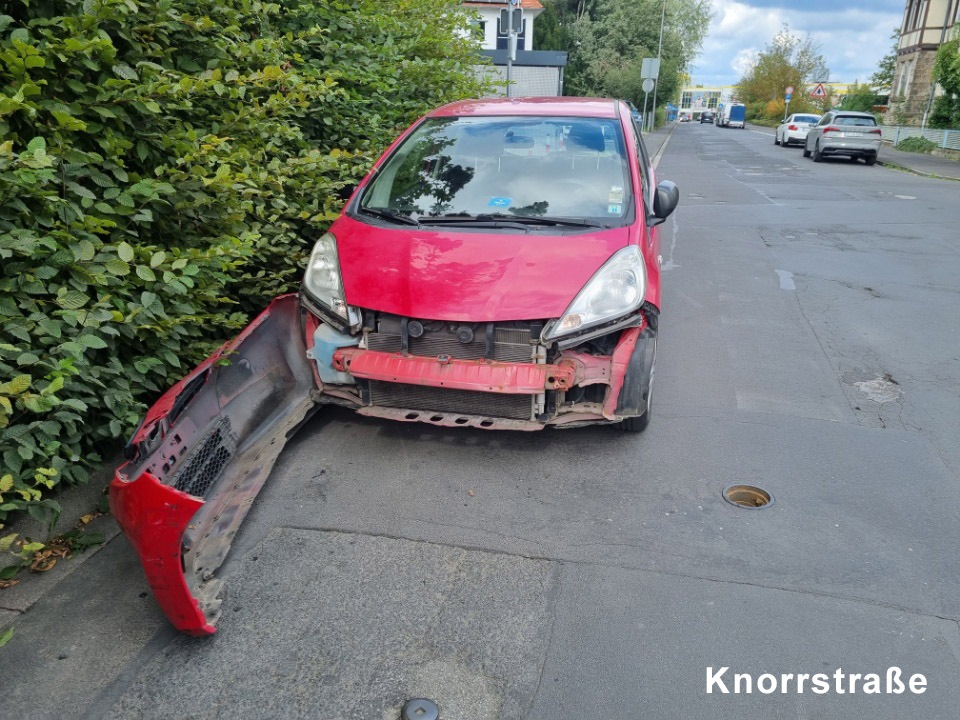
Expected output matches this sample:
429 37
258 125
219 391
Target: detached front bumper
201 455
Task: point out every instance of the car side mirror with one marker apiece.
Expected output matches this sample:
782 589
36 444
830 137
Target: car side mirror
346 191
665 200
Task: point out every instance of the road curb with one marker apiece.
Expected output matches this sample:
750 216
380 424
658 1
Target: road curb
75 502
913 171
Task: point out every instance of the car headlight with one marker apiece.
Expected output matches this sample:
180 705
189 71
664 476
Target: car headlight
615 290
322 280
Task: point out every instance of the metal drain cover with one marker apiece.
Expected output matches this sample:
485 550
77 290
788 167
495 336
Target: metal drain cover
747 496
420 709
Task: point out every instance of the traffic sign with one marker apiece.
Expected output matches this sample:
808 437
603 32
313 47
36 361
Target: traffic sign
819 91
790 90
788 97
505 20
647 85
649 68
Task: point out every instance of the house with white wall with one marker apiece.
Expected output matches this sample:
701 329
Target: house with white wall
534 73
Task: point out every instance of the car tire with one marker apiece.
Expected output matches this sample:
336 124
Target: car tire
806 153
870 160
776 139
817 155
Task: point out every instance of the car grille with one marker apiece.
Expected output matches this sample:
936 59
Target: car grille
509 345
418 397
203 467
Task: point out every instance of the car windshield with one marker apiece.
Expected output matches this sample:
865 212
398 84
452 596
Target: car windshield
855 120
478 168
806 118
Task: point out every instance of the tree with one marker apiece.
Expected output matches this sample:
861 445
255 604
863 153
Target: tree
788 61
860 97
946 71
611 37
882 79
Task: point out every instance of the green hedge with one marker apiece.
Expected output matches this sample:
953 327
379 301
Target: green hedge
165 166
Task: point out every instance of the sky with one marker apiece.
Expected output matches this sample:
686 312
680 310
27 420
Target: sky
853 35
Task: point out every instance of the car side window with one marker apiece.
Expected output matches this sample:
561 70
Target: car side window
825 120
644 161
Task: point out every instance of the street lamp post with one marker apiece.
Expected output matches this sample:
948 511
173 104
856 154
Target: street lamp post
663 14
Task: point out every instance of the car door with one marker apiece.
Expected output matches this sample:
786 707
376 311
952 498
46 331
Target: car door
817 130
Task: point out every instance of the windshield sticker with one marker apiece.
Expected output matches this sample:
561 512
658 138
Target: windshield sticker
500 202
614 209
616 194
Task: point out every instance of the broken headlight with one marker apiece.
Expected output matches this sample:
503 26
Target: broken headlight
323 282
615 290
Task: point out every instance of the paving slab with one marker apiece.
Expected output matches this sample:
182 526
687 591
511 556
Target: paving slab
336 625
640 645
82 634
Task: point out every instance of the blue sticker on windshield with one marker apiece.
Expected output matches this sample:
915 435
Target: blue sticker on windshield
614 209
499 202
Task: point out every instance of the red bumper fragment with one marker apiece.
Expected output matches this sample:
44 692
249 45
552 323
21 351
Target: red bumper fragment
443 371
154 517
202 454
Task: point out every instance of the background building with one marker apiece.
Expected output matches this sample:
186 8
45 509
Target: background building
535 72
926 25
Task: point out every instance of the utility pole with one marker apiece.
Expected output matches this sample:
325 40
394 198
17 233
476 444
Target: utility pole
653 120
511 41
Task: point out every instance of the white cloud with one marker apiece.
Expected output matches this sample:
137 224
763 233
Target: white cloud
744 60
852 38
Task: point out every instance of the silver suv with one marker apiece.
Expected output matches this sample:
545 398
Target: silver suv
844 132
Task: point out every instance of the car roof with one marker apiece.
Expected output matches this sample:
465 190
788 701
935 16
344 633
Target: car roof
853 113
533 106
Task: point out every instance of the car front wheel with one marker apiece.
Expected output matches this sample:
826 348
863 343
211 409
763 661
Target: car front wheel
817 155
806 153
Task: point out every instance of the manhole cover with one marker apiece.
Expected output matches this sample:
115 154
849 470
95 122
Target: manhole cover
747 496
420 709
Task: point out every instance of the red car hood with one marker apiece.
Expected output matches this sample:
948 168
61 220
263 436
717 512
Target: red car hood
469 277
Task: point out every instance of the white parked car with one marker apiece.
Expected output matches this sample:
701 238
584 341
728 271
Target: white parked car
844 132
794 129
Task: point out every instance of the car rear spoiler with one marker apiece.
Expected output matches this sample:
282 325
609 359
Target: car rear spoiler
201 455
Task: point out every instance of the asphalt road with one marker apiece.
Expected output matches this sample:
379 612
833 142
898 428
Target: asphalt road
810 344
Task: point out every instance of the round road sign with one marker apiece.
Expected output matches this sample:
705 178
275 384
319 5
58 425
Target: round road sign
647 85
790 90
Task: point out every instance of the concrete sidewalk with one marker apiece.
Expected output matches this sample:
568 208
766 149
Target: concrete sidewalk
920 163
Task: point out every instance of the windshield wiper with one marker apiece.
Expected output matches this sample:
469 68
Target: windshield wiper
502 220
388 214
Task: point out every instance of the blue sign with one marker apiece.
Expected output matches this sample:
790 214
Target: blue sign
788 97
499 202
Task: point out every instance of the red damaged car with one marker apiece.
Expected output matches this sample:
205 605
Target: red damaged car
498 268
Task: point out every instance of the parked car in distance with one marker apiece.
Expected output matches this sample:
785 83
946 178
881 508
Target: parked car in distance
684 118
707 117
497 269
794 129
844 132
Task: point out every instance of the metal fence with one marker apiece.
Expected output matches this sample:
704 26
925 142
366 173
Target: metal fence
947 139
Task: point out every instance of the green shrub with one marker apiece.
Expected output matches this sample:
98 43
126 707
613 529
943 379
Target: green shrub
917 144
165 167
